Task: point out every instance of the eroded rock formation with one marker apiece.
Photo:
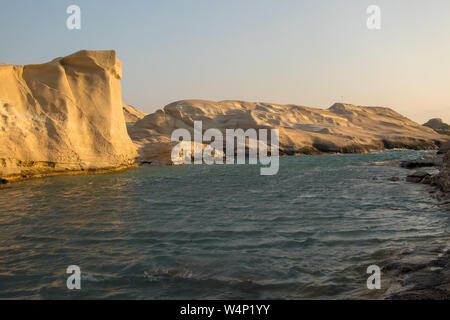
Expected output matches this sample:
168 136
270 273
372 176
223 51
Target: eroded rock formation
63 116
342 128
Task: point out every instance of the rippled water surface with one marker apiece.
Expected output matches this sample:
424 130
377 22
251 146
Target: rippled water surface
209 232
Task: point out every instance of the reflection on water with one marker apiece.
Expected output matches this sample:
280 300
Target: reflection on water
213 231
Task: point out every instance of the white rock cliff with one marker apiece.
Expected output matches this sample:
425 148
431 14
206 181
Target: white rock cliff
64 116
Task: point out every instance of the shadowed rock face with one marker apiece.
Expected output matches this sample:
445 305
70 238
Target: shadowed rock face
64 115
132 114
342 128
439 126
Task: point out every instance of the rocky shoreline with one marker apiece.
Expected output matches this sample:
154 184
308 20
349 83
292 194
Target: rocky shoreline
433 170
424 272
80 172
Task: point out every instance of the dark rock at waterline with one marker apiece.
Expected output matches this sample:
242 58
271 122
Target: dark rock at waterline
429 179
394 179
418 177
429 280
403 267
443 180
440 179
3 181
423 162
420 281
444 148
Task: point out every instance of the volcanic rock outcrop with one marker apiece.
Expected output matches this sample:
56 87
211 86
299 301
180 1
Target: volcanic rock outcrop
342 128
63 116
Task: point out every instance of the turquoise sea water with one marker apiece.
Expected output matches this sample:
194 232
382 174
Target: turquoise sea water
213 232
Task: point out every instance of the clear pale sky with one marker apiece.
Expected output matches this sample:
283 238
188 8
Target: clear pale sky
307 52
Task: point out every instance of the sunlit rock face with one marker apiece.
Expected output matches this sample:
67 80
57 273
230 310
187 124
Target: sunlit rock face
343 128
62 116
